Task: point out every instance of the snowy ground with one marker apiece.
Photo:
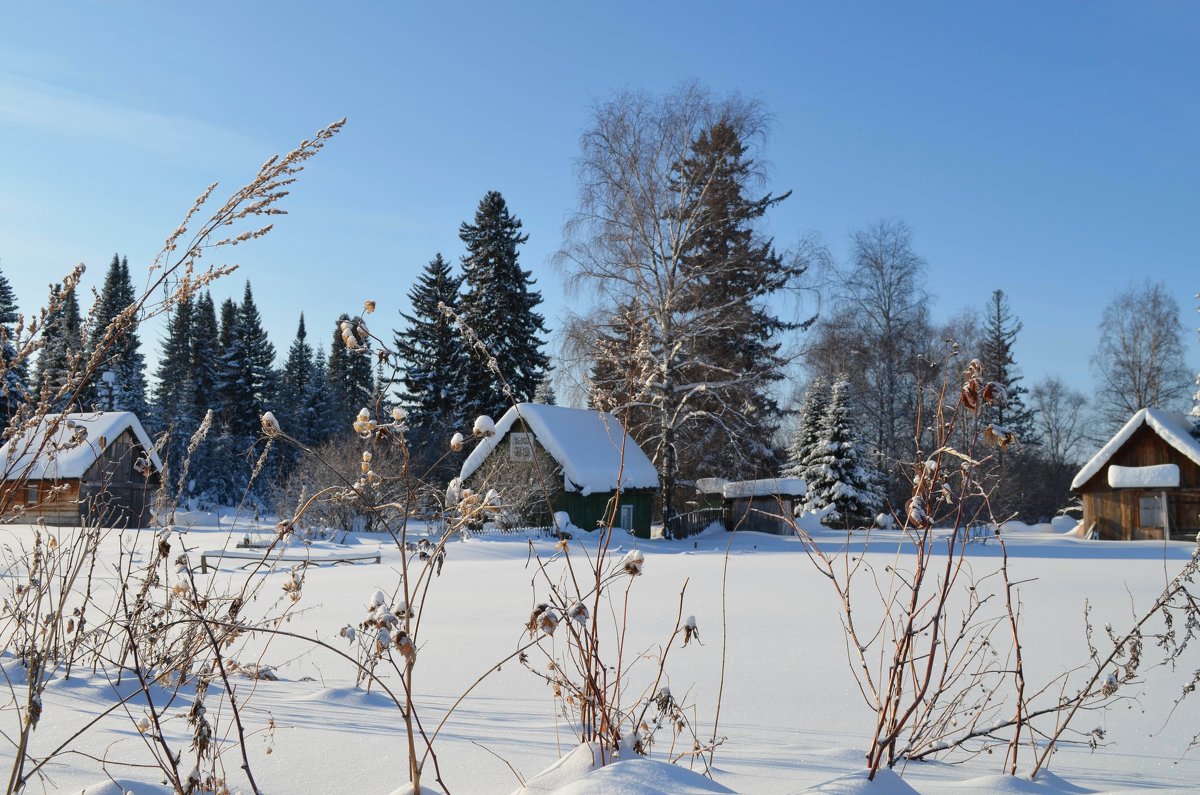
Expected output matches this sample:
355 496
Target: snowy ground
791 712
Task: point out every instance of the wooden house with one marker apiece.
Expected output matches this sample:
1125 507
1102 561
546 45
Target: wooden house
1145 482
763 506
76 469
545 459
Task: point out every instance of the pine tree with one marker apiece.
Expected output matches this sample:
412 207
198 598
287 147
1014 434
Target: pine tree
499 307
1000 331
13 389
351 379
838 470
808 428
432 353
59 362
120 380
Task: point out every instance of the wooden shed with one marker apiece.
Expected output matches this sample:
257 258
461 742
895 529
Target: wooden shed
1145 482
545 459
763 506
74 469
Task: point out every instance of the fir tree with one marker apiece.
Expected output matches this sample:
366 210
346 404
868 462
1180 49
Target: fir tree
432 354
499 307
545 393
808 428
1000 331
838 470
59 362
120 380
351 379
13 390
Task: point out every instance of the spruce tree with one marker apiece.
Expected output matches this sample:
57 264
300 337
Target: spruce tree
175 399
13 389
247 379
807 433
59 361
299 380
731 272
351 378
838 469
205 353
545 393
119 383
1000 331
499 307
432 354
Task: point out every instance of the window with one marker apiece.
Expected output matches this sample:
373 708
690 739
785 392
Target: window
520 447
31 494
1150 512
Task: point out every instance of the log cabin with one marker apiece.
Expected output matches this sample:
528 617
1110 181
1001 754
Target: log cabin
1145 482
545 459
81 469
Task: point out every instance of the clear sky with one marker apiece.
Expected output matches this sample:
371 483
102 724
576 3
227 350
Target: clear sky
1048 149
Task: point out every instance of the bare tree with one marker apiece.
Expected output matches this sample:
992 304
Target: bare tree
880 334
1139 362
641 247
1058 417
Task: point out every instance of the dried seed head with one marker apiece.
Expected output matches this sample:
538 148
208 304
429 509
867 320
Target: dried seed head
270 425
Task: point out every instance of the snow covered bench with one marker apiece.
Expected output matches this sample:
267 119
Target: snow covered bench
263 556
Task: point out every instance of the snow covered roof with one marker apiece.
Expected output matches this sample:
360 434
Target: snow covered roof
74 443
710 485
1171 428
1160 476
768 487
587 444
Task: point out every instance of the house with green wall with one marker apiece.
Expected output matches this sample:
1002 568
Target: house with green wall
545 459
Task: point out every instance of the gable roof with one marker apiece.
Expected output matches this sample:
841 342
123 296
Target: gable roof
587 444
1171 428
65 445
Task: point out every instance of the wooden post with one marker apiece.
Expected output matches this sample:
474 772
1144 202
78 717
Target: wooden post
1166 517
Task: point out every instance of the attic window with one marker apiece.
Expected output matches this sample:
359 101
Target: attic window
31 494
520 447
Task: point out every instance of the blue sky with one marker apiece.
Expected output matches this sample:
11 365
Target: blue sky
1051 150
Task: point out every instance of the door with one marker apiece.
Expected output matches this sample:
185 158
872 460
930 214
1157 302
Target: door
627 517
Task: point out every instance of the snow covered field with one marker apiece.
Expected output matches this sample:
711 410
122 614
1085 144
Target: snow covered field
791 713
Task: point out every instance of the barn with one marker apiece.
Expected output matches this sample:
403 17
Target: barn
1145 482
75 469
545 459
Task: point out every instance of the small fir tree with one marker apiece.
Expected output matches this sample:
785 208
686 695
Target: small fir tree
1000 332
838 472
807 432
499 307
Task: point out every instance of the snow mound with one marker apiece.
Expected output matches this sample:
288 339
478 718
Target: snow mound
887 782
1000 784
121 786
579 773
